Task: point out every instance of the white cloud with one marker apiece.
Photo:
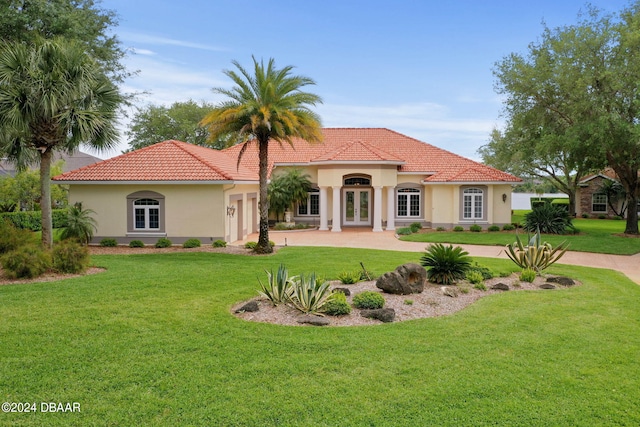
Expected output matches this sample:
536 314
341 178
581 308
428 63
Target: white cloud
164 41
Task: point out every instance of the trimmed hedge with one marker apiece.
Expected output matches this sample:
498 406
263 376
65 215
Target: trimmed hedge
31 220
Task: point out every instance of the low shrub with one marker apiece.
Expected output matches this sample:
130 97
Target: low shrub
408 302
272 243
474 277
349 277
617 217
446 264
32 220
136 244
108 242
458 228
69 256
493 228
508 227
11 238
585 215
192 243
219 244
602 216
528 275
163 242
415 227
368 300
337 305
25 262
480 286
484 271
250 245
440 229
404 231
475 228
367 275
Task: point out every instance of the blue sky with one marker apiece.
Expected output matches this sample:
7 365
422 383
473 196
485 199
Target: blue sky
422 68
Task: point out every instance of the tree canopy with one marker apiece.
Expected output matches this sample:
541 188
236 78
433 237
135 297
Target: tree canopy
572 104
181 121
81 20
265 105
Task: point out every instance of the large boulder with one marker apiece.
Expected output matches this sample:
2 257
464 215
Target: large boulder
406 279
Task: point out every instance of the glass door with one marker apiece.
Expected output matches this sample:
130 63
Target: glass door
357 205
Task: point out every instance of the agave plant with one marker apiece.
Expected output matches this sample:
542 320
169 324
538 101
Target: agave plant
537 255
279 286
310 294
446 263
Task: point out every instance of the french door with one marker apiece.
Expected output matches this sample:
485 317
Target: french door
357 204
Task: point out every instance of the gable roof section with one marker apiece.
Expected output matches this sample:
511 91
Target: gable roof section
376 145
164 161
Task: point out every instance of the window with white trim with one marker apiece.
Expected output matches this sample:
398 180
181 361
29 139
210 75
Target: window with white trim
472 204
146 214
311 206
408 203
599 203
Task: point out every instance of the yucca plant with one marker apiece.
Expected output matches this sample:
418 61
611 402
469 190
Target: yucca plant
537 255
279 286
446 264
310 294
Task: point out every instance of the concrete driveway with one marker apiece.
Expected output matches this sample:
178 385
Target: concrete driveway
365 238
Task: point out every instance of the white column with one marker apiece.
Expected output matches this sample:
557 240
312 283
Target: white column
324 221
336 209
391 208
377 208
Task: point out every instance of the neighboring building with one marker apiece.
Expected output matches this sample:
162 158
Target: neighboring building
72 161
591 200
374 178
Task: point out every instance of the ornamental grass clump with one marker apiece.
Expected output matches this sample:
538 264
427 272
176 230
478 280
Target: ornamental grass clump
537 255
71 257
446 264
349 277
25 262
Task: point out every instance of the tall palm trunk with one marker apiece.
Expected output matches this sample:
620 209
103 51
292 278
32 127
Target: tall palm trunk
45 198
263 239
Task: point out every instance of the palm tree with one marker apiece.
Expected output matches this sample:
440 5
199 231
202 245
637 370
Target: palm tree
53 97
266 106
80 224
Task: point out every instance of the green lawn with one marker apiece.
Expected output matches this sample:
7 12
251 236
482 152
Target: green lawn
596 235
152 342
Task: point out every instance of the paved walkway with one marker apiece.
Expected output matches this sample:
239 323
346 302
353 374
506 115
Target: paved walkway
365 238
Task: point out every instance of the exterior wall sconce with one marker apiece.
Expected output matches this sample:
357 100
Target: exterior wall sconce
504 197
231 210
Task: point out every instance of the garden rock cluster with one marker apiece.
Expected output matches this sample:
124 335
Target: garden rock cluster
386 315
406 279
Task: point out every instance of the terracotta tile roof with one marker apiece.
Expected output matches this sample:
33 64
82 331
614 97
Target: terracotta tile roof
342 144
164 161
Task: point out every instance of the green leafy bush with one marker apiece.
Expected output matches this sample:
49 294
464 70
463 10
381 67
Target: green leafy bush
279 286
250 245
585 215
480 286
32 220
25 262
337 306
191 243
219 244
70 257
602 216
415 227
108 242
475 228
484 271
163 242
446 264
474 277
493 228
11 238
136 244
458 228
80 224
547 218
537 255
528 275
404 231
311 294
349 277
368 300
440 229
508 227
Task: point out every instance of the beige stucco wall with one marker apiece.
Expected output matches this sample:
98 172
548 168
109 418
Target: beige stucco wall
196 210
501 210
381 175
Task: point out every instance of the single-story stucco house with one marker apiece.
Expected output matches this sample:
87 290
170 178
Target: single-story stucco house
362 177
